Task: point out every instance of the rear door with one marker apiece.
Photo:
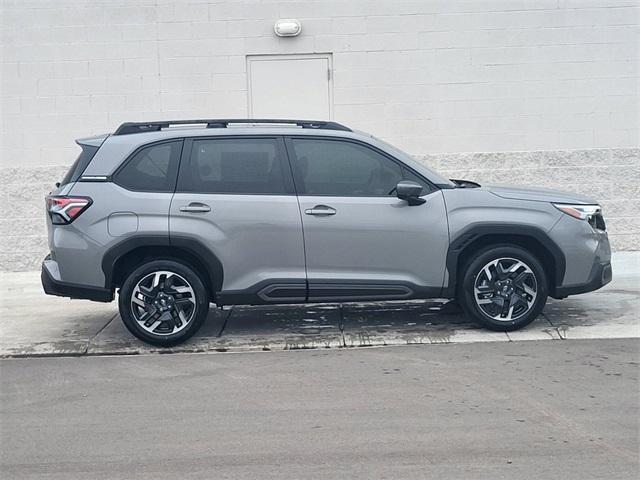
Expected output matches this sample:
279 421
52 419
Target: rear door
361 241
235 195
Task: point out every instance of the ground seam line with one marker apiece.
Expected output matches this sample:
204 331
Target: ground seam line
557 329
224 324
86 350
341 326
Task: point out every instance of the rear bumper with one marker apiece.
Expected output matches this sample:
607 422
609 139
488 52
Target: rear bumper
601 274
54 286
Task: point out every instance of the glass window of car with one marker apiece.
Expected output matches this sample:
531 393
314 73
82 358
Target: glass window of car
234 165
81 163
409 175
342 168
153 168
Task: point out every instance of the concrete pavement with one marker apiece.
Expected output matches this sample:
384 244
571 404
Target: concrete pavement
33 324
530 410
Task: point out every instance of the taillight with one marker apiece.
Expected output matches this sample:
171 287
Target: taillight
64 210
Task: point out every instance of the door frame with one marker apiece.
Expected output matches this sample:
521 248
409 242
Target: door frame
296 56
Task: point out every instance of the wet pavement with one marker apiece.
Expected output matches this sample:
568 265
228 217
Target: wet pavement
34 324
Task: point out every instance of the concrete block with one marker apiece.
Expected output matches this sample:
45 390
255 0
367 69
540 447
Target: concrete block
189 12
104 68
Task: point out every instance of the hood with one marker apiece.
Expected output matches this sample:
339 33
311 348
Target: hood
540 195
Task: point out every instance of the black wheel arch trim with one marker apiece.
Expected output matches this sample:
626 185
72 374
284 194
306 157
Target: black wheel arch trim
477 231
210 263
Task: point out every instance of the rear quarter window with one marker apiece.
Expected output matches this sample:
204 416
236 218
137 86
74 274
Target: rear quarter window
153 168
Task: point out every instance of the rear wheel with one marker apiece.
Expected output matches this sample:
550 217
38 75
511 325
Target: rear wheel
503 288
163 302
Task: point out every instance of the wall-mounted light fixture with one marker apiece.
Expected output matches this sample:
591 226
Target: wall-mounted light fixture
287 27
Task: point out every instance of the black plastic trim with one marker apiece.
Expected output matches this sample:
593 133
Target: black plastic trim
142 127
357 291
72 290
280 291
194 247
476 231
262 293
319 292
601 274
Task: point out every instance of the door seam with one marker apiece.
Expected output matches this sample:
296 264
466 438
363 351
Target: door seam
304 241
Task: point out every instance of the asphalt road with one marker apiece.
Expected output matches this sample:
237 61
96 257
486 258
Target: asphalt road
540 410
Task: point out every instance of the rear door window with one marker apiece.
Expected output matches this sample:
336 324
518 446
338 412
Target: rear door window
236 165
152 169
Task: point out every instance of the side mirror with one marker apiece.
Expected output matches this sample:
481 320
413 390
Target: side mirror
410 191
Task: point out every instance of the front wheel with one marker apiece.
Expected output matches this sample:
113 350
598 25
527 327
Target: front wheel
503 287
163 302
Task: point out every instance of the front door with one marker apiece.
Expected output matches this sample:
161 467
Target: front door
360 239
235 196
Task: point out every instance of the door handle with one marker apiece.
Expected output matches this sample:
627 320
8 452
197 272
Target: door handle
320 210
196 207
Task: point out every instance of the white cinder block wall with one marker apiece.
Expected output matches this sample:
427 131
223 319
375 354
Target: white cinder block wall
460 84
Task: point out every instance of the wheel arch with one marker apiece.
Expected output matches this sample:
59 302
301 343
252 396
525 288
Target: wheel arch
478 236
128 254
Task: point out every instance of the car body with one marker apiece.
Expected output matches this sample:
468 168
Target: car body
290 211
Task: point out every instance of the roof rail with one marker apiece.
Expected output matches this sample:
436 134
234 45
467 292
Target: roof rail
141 127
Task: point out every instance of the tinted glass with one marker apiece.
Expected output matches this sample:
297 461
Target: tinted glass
409 175
153 168
332 167
234 165
80 164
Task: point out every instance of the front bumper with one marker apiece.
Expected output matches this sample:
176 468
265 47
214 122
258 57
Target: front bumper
54 286
601 274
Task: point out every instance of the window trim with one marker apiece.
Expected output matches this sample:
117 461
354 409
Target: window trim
288 139
280 152
129 159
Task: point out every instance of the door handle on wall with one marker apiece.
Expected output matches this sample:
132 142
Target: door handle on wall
320 210
196 207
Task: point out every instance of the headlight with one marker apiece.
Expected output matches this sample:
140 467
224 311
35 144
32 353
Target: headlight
581 212
590 213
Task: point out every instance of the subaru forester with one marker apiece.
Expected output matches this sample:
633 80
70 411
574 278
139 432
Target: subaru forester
177 215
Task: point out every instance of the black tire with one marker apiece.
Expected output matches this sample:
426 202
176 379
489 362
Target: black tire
491 295
191 286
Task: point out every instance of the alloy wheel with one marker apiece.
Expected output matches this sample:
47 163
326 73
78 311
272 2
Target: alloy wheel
163 303
505 289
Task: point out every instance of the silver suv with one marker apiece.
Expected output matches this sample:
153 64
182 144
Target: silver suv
176 215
